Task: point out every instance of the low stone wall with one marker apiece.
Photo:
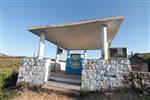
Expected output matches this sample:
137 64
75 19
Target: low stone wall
100 75
140 80
143 67
34 71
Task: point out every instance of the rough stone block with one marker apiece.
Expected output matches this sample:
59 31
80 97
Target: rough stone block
105 75
32 71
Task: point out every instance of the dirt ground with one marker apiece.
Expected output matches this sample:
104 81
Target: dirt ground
30 95
52 95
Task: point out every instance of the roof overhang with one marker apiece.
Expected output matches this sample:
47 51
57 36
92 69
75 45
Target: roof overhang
81 35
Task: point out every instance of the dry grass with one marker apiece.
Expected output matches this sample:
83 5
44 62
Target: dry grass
8 75
8 66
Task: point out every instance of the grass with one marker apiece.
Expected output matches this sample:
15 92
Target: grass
7 96
8 75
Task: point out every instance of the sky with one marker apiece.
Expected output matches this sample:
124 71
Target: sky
18 15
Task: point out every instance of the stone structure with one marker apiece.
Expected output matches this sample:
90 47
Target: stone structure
100 75
138 63
140 80
97 75
34 71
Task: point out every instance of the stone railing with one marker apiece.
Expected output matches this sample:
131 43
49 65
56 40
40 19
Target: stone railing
140 80
100 75
34 71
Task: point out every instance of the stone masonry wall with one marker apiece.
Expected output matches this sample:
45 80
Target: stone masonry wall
100 75
34 71
140 81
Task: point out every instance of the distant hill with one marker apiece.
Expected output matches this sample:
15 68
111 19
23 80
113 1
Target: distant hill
2 54
145 57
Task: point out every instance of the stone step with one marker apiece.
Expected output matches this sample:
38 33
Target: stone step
63 87
65 80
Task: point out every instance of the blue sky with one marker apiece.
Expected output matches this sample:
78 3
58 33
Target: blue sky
18 16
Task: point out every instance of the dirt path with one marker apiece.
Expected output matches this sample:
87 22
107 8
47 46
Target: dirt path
51 95
30 95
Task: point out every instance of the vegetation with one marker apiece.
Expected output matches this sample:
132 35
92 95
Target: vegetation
83 92
146 58
24 85
8 75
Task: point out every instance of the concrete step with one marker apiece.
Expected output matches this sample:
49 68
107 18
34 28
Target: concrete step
65 80
63 87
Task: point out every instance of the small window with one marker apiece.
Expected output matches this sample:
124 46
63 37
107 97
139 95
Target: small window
75 64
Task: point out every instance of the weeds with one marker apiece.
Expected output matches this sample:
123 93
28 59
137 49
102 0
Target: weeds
83 92
8 76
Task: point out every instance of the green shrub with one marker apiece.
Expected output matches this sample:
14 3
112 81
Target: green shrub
36 88
11 80
83 91
7 96
24 85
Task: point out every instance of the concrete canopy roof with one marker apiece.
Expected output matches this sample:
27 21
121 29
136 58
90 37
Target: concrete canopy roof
81 35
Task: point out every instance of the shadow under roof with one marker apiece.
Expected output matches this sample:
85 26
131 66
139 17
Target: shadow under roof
80 35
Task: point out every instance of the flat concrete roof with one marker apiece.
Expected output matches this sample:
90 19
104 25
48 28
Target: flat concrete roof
79 35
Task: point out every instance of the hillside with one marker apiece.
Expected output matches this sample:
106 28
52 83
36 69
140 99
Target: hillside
9 67
145 57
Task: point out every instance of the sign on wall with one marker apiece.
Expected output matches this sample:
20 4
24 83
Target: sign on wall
118 53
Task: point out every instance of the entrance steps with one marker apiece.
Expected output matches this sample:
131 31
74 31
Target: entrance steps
70 89
65 80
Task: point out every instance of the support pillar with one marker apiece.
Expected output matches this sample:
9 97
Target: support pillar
104 42
85 54
57 59
41 46
68 53
57 55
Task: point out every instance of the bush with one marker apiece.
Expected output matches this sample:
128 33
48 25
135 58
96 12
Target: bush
24 85
7 96
11 80
83 92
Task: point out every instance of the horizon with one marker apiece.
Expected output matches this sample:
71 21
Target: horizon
17 17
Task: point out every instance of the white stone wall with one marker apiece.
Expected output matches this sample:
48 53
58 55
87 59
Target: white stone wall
99 75
34 71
